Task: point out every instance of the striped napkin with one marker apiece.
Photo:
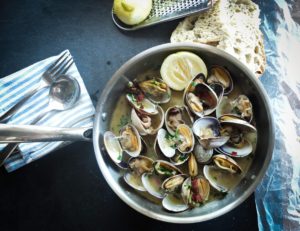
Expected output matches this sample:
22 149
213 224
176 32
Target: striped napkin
15 86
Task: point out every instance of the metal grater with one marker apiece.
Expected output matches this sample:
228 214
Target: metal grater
167 10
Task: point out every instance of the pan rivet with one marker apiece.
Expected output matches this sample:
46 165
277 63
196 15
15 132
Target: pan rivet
103 116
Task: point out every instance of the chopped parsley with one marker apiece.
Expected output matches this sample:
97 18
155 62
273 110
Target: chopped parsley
125 119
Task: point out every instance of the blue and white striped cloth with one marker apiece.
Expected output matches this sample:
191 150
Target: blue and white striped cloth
15 86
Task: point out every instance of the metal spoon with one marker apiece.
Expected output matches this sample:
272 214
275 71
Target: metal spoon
63 95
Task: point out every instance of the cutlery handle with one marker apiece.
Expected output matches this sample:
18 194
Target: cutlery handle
7 115
14 134
31 133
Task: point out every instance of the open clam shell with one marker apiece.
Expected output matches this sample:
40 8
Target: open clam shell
219 90
166 169
207 131
156 90
138 166
179 158
130 140
145 124
165 143
218 74
239 144
226 163
195 191
174 203
241 107
219 179
175 116
144 105
173 183
113 148
200 98
186 138
152 184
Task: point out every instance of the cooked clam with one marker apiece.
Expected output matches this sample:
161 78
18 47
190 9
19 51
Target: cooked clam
138 166
156 90
142 104
200 98
195 191
173 202
173 183
152 184
219 90
175 116
166 169
207 131
185 138
179 158
237 129
227 163
113 147
165 143
241 106
130 140
220 75
219 179
193 166
145 124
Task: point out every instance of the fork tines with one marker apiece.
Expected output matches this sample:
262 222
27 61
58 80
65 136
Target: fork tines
61 66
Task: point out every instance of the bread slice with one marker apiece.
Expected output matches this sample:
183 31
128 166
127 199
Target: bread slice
231 25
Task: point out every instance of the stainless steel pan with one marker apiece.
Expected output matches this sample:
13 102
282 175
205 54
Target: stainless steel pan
242 76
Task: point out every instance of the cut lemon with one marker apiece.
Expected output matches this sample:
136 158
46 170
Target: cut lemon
180 68
132 12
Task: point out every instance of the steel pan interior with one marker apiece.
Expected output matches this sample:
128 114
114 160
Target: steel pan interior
242 76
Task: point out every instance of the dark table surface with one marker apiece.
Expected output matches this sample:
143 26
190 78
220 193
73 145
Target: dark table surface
65 190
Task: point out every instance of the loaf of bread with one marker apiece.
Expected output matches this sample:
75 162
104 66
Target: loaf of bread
231 25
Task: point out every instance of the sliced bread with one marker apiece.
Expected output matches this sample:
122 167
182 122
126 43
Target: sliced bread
231 25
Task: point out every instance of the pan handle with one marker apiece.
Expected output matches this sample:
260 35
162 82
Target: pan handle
32 133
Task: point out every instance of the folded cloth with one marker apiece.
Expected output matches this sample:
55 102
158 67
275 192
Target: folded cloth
15 86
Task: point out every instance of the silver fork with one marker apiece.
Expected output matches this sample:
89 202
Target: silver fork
59 67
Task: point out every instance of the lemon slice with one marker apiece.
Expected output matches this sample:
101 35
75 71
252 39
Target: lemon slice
178 69
132 12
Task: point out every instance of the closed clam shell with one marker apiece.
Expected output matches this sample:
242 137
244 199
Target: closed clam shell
202 155
148 125
226 163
